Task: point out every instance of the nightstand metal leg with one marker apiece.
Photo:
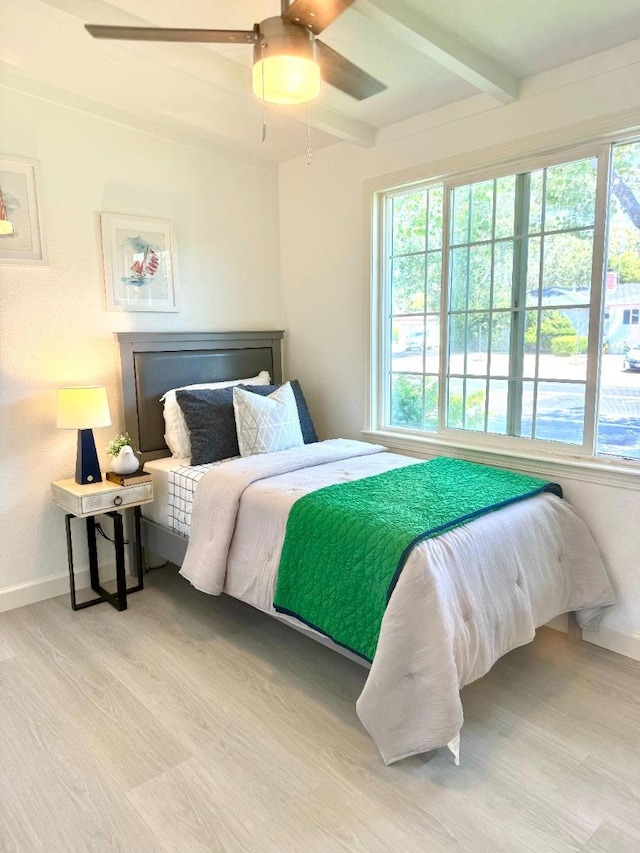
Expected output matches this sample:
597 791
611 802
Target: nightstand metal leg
139 551
136 552
121 576
93 554
72 580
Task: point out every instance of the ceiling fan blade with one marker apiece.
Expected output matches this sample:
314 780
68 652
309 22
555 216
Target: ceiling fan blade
315 15
346 76
163 34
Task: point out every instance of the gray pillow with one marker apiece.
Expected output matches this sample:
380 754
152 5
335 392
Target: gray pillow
211 422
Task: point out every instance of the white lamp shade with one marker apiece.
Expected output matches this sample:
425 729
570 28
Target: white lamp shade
286 79
83 407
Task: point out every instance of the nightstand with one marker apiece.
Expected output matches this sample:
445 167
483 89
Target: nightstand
105 498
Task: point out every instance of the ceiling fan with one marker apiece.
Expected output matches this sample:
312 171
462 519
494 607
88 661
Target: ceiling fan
289 60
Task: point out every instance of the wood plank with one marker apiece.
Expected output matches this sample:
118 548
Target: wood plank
611 839
131 743
55 793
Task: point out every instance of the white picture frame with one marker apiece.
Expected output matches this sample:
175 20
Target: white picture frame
139 263
21 233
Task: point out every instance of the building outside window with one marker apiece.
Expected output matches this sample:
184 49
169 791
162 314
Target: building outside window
508 302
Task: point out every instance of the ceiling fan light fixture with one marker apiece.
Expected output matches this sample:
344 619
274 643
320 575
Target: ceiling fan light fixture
289 63
285 64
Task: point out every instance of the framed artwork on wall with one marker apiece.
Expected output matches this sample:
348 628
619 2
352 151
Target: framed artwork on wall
21 240
139 263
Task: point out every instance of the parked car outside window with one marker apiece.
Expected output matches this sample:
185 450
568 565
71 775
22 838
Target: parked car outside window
632 359
415 341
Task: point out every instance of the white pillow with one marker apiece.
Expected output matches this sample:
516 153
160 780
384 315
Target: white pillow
266 424
176 433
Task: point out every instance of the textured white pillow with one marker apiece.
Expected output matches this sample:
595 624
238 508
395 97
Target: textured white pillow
176 433
266 424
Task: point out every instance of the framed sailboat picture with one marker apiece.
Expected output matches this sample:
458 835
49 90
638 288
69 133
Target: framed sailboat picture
21 239
139 263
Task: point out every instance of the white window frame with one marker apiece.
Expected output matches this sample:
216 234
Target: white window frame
377 404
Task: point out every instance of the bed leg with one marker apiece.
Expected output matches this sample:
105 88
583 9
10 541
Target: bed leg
575 631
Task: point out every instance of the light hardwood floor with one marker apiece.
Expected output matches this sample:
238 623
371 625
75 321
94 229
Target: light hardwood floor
190 723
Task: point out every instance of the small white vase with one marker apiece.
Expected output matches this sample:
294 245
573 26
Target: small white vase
126 462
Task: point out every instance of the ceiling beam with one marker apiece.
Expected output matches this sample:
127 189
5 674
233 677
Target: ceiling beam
211 67
442 46
340 125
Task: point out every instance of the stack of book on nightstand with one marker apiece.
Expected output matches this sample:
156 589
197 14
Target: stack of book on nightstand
139 476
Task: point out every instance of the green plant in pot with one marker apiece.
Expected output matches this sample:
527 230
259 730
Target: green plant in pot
124 460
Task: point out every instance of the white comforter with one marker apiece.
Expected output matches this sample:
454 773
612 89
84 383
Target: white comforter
463 600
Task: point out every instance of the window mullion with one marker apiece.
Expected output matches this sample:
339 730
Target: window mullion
519 296
596 311
427 213
487 386
445 284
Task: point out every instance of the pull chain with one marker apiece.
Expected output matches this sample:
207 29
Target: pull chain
264 111
309 151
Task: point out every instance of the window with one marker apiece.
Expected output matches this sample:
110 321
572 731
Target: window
503 299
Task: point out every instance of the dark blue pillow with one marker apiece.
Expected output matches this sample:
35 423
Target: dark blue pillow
210 419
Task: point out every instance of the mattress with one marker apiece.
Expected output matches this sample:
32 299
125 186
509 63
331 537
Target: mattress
158 511
174 486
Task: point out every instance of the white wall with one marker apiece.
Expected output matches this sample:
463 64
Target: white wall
324 245
54 326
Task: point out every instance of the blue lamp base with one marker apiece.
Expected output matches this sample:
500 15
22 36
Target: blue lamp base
87 465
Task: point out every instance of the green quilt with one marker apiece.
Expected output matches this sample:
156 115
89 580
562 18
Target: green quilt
346 545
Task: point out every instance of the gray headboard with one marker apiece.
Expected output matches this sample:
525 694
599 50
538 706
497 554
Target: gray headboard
154 363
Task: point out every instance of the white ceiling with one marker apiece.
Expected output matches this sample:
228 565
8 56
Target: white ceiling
428 53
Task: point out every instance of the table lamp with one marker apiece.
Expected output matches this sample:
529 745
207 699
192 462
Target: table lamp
83 408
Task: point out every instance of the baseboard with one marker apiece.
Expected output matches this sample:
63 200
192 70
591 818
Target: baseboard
33 591
560 623
624 644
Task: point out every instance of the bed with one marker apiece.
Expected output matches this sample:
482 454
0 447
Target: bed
463 599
